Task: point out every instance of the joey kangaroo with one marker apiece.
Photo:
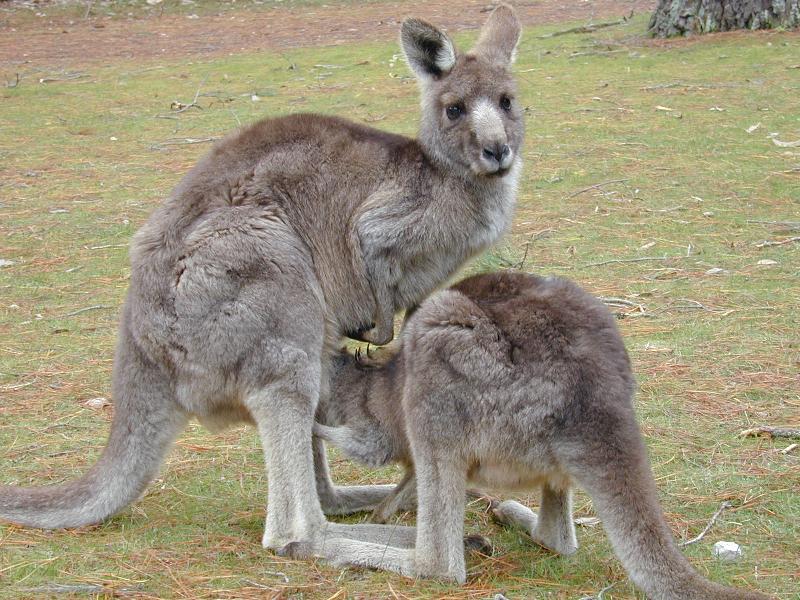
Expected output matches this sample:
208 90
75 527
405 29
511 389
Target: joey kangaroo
287 235
511 381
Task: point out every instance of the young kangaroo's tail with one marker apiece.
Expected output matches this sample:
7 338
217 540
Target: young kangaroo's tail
146 421
610 463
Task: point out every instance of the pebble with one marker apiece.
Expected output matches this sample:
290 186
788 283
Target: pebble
727 551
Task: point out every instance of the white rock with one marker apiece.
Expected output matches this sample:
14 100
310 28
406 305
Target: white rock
727 551
767 261
97 402
6 263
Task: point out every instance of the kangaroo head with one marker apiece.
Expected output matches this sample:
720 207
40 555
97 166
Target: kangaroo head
470 114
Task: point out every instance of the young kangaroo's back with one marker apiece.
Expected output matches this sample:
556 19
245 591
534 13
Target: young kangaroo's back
513 381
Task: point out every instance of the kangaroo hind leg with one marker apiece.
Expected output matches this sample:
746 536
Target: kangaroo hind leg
552 527
607 457
344 499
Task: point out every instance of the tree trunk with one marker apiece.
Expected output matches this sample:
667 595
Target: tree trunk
685 17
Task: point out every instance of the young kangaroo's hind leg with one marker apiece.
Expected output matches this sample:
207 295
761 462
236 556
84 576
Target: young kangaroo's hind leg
441 488
402 497
605 454
339 499
552 528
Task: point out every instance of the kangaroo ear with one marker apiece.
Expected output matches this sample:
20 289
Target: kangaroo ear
429 52
499 36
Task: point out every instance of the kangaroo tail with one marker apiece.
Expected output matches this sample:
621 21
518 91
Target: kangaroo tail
614 470
146 422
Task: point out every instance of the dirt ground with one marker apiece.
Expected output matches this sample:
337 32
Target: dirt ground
69 42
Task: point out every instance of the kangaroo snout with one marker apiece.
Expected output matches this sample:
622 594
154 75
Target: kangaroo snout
496 158
497 152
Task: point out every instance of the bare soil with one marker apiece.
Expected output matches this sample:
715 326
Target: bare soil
70 42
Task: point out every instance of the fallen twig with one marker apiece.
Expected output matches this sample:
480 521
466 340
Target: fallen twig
770 431
780 144
786 224
597 52
583 28
79 588
65 77
179 107
688 86
87 309
104 246
628 260
665 210
622 302
767 243
595 186
534 236
182 142
722 507
601 594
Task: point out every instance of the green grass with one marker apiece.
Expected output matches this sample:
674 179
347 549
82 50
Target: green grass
714 354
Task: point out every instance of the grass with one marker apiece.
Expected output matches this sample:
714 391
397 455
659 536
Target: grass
715 351
31 11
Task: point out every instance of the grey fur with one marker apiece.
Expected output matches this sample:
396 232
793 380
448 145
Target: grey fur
510 381
288 234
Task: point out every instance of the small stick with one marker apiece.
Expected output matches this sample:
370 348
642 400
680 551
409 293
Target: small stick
104 246
619 302
182 142
255 584
770 431
583 29
595 186
628 260
714 518
789 224
534 236
767 243
601 594
87 309
63 588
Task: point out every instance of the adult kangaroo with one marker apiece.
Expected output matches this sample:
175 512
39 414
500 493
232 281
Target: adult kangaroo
513 381
287 235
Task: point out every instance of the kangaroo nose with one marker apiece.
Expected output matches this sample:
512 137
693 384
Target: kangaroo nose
498 152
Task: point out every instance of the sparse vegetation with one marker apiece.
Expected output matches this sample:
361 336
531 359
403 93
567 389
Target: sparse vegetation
652 175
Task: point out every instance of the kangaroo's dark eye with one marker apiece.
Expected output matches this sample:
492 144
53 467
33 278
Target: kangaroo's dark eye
454 111
505 103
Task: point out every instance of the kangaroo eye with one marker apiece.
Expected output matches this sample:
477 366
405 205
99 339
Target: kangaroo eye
505 103
454 111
